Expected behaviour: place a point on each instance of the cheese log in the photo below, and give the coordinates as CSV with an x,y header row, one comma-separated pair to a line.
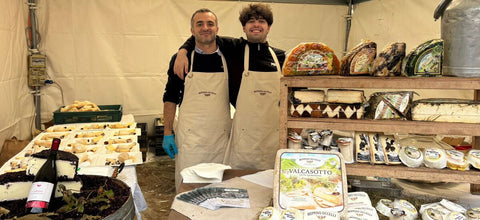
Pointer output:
x,y
311,59
359,60
425,60
446,110
346,96
389,60
307,96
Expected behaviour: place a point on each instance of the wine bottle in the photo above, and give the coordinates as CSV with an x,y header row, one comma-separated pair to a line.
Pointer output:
x,y
44,183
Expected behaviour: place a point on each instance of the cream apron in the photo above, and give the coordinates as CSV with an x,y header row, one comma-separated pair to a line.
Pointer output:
x,y
254,139
203,125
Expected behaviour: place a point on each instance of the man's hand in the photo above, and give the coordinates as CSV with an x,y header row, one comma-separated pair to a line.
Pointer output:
x,y
169,146
180,68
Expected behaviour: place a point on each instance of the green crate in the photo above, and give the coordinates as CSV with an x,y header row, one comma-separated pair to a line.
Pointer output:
x,y
109,113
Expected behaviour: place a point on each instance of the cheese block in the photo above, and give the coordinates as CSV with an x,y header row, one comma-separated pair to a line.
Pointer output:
x,y
67,164
390,105
411,156
325,110
425,60
446,110
456,160
359,60
311,59
389,60
307,96
346,96
16,186
390,149
434,158
376,151
362,147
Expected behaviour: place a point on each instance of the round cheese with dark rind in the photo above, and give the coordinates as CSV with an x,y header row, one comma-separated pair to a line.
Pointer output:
x,y
359,60
425,60
311,59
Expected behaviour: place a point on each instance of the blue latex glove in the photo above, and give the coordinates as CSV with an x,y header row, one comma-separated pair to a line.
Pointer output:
x,y
169,145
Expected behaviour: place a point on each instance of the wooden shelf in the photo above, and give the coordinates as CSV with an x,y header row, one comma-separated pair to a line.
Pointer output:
x,y
451,83
389,126
418,173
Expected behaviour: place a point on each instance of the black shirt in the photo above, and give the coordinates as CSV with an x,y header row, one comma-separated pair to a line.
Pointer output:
x,y
202,63
233,49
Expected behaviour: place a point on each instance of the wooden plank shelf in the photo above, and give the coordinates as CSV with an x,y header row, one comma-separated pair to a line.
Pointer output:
x,y
388,126
418,173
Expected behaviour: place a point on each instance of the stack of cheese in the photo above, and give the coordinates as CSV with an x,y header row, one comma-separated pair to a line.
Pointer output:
x,y
337,103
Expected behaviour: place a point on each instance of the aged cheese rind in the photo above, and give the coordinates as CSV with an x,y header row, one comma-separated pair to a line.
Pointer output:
x,y
389,60
311,59
425,60
359,60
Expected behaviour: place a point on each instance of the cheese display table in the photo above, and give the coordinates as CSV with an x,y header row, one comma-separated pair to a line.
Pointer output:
x,y
99,146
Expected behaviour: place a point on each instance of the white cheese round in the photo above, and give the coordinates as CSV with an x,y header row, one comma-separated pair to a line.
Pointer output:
x,y
454,207
411,156
473,214
473,157
456,160
269,213
455,216
409,208
384,206
435,158
432,214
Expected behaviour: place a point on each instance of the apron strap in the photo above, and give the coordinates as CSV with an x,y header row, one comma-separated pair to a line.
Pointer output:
x,y
247,60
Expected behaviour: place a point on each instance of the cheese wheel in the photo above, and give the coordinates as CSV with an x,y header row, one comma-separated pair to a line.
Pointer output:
x,y
411,156
311,59
356,199
409,208
359,60
291,214
389,60
435,158
269,213
456,160
473,157
425,60
384,206
432,214
473,214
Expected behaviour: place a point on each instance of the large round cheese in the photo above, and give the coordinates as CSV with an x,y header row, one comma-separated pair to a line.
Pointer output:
x,y
311,59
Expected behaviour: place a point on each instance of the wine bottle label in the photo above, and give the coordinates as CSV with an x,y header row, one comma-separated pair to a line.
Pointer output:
x,y
40,191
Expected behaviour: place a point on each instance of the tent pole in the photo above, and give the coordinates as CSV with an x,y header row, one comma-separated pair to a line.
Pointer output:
x,y
33,34
348,17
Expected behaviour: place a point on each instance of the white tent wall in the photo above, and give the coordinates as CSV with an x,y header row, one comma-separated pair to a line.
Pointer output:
x,y
16,112
118,51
